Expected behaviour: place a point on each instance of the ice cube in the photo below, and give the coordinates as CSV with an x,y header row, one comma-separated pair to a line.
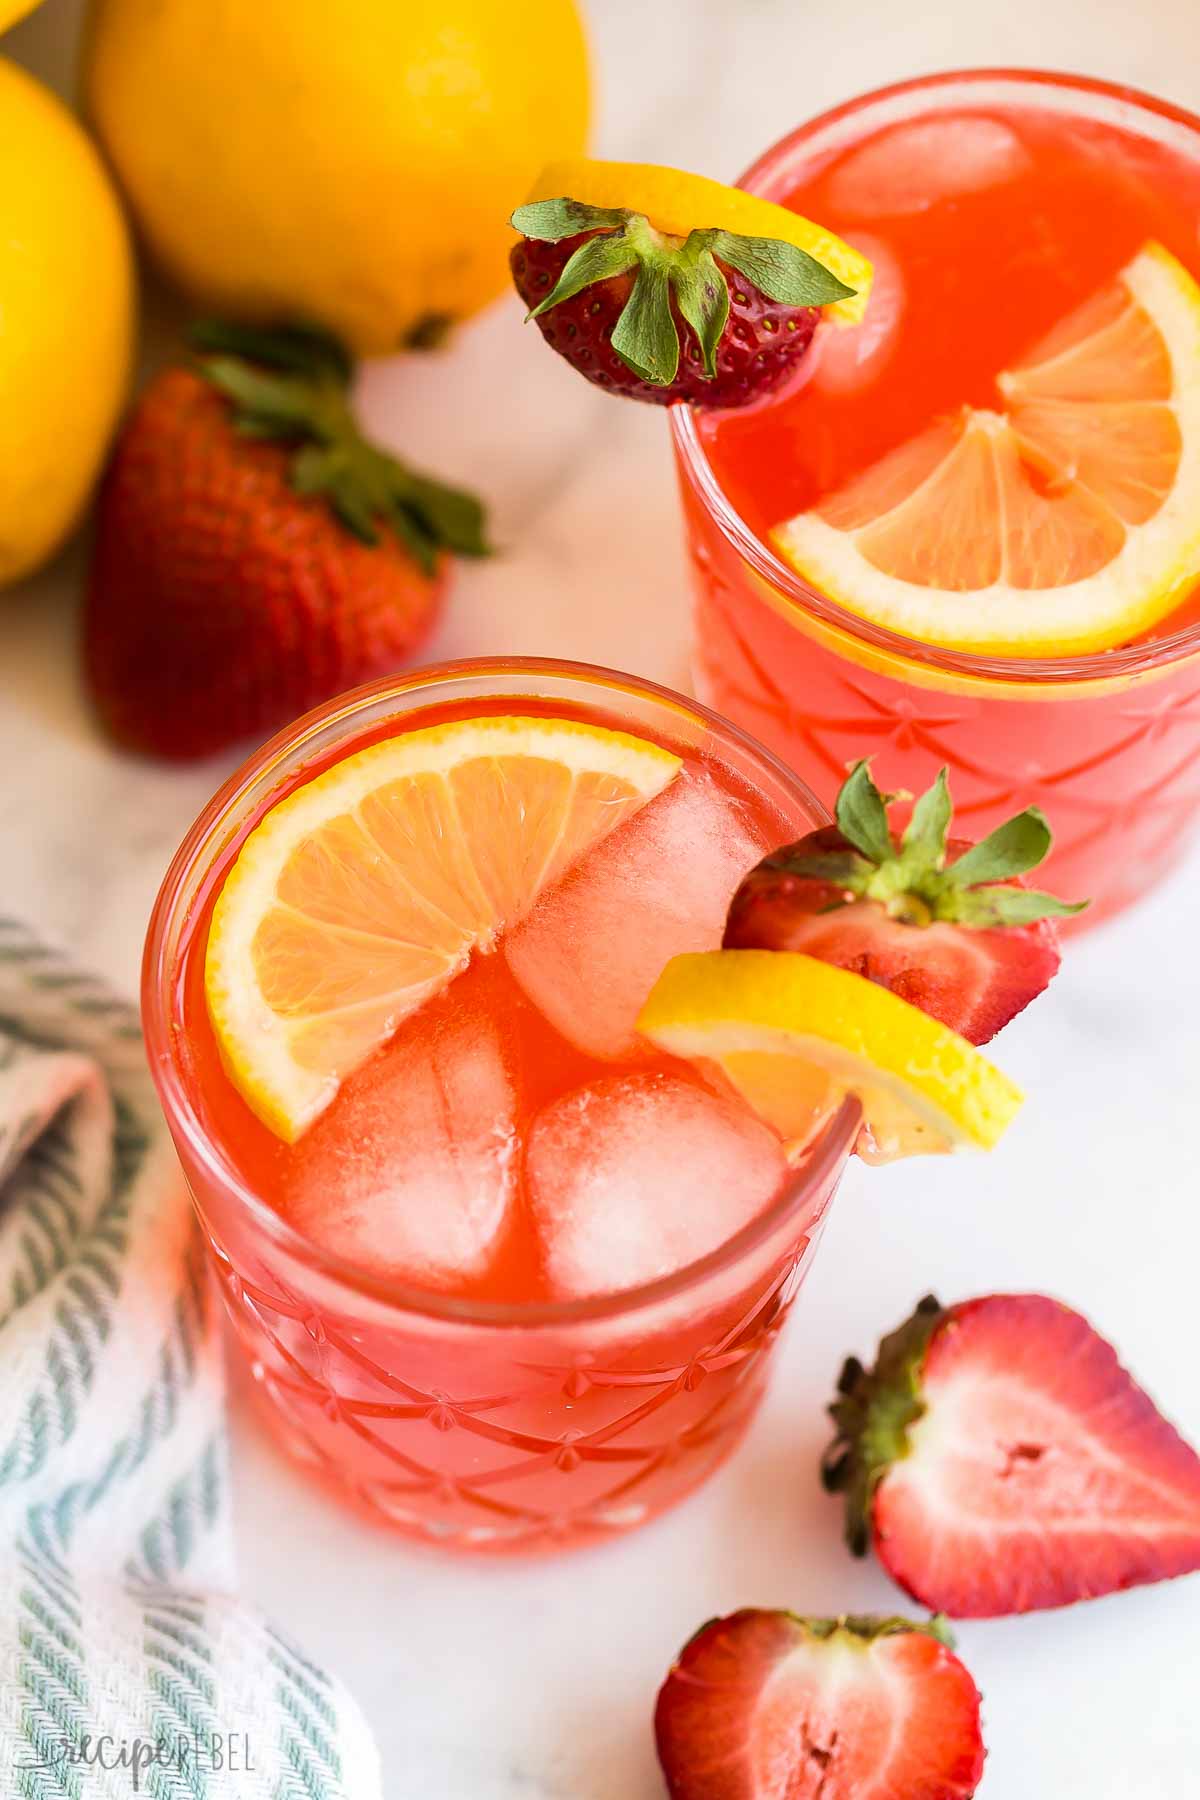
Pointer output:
x,y
635,1176
911,167
593,947
411,1171
850,357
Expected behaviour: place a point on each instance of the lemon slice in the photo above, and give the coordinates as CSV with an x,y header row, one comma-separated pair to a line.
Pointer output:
x,y
364,892
793,1035
1067,520
677,203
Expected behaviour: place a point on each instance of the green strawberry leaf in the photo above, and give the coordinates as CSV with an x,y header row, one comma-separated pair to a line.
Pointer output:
x,y
355,512
872,1413
702,295
453,516
597,260
869,1626
285,402
923,845
982,907
1018,845
292,349
644,336
290,386
862,815
549,221
780,270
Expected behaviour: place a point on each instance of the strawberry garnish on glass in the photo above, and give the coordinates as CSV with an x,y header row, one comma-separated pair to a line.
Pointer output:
x,y
998,1458
763,1705
662,286
946,924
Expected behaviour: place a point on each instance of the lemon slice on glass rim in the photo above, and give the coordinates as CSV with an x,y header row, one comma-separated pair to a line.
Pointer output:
x,y
363,893
676,202
1064,521
793,1035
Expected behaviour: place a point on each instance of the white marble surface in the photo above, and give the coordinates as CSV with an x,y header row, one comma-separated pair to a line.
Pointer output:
x,y
536,1682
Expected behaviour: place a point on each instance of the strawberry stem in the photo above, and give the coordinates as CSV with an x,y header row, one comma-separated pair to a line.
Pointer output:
x,y
686,271
865,1628
913,880
873,1413
291,385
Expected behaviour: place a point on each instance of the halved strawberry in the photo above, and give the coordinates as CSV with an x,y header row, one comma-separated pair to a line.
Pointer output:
x,y
769,1706
1000,1459
942,922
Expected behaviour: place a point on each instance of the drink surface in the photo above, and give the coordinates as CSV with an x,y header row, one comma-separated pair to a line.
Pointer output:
x,y
986,228
515,1141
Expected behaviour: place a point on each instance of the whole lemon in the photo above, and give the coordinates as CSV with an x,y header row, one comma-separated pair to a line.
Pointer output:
x,y
351,164
66,320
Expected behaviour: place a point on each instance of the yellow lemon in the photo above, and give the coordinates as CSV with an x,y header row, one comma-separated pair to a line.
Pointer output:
x,y
66,320
12,10
794,1035
352,164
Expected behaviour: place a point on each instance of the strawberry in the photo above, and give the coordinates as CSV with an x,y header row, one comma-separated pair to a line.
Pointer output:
x,y
1000,1459
714,318
769,1706
253,553
941,922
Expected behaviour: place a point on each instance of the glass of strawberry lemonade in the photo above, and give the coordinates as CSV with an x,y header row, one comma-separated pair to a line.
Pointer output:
x,y
968,533
504,1275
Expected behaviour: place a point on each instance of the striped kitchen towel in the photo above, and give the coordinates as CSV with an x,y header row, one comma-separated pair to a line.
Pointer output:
x,y
127,1665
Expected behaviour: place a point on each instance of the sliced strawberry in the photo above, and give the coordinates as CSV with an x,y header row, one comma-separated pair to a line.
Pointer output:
x,y
944,923
1000,1459
768,1706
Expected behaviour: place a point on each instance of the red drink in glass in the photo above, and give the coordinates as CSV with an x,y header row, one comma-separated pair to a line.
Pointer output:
x,y
555,1389
1029,194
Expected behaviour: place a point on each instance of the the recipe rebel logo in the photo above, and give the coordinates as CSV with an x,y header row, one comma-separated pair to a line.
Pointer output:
x,y
182,1753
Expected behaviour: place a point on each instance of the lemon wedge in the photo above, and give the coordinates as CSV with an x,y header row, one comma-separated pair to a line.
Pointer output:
x,y
793,1035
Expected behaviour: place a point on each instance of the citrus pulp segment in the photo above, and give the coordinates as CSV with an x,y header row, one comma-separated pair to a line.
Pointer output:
x,y
363,892
1063,521
793,1034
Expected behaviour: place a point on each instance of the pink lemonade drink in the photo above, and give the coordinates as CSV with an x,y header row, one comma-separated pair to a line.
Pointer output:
x,y
1011,219
515,1285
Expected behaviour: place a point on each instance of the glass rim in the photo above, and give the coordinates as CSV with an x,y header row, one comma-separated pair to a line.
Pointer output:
x,y
220,819
1095,665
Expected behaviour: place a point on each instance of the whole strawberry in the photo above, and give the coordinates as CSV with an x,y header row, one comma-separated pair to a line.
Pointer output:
x,y
771,1706
254,554
1000,1459
714,318
941,922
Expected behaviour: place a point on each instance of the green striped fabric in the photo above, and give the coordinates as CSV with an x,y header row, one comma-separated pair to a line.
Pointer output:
x,y
127,1664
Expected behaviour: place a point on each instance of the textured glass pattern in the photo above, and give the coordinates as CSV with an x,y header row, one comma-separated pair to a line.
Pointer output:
x,y
494,1440
1116,771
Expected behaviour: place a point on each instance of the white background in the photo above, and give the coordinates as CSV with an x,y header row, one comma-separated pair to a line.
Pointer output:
x,y
536,1682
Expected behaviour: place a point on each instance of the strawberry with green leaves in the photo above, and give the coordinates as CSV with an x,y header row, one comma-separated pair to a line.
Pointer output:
x,y
944,923
998,1458
662,286
254,552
